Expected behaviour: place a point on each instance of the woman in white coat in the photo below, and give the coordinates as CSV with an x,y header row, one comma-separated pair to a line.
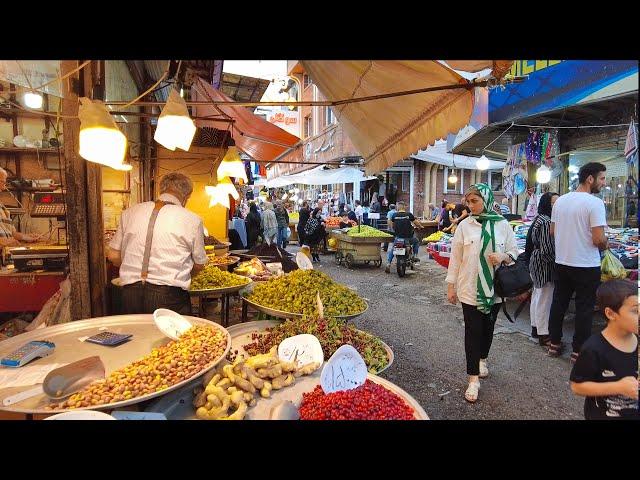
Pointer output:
x,y
482,241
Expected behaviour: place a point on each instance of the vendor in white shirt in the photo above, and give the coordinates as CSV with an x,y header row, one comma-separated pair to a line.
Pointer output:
x,y
157,259
482,241
9,236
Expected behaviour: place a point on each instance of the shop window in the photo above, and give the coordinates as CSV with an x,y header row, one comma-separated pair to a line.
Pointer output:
x,y
620,195
405,181
495,180
329,117
306,80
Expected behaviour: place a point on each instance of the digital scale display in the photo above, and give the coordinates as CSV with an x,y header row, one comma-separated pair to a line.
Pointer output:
x,y
47,204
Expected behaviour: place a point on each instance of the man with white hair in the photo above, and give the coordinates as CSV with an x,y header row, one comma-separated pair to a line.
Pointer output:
x,y
158,246
9,236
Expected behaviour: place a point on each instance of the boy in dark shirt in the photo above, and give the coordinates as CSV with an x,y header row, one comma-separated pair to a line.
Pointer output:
x,y
606,371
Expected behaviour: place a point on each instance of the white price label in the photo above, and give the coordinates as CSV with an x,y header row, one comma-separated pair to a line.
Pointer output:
x,y
302,349
345,370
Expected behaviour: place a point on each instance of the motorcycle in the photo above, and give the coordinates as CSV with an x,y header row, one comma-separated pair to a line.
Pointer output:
x,y
404,254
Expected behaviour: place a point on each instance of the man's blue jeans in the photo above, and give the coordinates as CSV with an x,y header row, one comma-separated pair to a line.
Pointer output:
x,y
415,244
282,236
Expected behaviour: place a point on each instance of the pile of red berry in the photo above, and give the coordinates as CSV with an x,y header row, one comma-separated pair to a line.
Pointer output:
x,y
366,402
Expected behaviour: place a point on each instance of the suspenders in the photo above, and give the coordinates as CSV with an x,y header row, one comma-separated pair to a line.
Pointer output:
x,y
147,247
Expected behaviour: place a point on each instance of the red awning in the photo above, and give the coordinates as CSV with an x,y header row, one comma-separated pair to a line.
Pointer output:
x,y
261,140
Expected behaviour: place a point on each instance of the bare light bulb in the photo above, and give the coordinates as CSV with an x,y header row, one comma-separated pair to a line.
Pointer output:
x,y
453,178
543,174
33,100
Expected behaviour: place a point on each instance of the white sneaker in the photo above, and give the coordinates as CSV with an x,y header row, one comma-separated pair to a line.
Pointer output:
x,y
484,371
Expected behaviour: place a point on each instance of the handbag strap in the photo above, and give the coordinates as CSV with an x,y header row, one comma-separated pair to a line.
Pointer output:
x,y
147,247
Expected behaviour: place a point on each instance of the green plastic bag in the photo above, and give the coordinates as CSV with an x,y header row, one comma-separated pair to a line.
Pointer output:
x,y
611,267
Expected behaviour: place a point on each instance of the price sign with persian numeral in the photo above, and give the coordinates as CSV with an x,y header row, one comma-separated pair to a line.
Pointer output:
x,y
301,349
345,370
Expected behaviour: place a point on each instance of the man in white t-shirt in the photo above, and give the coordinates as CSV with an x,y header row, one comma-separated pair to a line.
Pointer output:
x,y
578,220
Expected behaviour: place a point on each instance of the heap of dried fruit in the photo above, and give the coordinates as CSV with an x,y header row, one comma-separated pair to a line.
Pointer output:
x,y
223,260
195,350
233,387
296,292
332,334
211,277
365,231
369,401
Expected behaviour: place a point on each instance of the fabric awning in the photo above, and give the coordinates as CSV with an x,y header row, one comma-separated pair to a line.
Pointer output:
x,y
438,154
256,137
499,68
388,130
321,176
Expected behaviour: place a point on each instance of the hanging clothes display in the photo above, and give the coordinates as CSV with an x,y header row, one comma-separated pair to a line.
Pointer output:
x,y
631,145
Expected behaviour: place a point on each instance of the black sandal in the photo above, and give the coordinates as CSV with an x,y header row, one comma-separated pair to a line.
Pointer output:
x,y
544,340
555,350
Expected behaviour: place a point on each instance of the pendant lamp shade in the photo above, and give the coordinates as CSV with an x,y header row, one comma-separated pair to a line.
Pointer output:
x,y
543,174
232,166
482,163
228,188
175,128
101,141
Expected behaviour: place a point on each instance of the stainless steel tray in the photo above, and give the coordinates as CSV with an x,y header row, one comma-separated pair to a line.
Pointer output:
x,y
146,336
221,291
241,335
281,314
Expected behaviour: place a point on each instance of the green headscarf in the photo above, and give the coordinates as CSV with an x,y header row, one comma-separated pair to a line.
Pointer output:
x,y
487,219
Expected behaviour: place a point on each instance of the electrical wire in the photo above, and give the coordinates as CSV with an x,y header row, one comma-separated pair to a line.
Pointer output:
x,y
162,77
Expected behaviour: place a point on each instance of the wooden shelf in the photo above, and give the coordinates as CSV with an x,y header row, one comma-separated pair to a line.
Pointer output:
x,y
28,150
16,112
32,189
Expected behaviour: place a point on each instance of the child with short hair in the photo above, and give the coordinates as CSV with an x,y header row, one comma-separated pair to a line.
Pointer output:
x,y
606,371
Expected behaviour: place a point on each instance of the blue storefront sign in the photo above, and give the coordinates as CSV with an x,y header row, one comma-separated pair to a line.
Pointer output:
x,y
553,84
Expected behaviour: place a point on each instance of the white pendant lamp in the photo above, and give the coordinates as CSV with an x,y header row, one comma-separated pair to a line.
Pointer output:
x,y
175,128
231,165
453,178
32,100
543,174
482,163
217,196
101,141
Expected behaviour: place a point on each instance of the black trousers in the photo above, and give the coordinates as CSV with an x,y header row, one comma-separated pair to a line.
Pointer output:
x,y
145,298
585,282
478,334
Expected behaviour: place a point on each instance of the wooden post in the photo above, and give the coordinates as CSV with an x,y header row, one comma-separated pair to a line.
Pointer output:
x,y
95,223
76,198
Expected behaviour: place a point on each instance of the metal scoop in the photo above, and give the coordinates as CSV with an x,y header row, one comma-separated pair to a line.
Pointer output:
x,y
64,381
67,380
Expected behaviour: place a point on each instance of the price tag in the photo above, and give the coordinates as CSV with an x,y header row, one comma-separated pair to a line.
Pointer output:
x,y
301,349
345,370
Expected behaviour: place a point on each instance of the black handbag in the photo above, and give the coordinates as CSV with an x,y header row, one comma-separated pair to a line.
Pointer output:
x,y
511,281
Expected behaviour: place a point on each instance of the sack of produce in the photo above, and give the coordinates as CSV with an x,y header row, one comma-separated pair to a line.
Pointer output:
x,y
611,267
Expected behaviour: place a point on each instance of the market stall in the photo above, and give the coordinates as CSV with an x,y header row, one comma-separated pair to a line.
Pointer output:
x,y
360,244
130,365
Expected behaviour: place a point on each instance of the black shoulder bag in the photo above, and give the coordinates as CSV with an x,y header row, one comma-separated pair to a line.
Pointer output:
x,y
511,281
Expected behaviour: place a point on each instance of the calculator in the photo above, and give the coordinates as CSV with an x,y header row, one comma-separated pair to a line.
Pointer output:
x,y
109,339
28,352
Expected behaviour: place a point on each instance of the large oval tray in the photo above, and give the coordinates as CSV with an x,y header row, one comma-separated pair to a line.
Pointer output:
x,y
281,314
220,291
240,335
146,336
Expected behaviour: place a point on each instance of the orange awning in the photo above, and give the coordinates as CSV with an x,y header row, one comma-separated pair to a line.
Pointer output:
x,y
261,140
387,130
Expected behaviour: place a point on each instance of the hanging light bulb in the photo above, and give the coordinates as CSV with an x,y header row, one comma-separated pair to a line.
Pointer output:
x,y
453,178
296,191
543,174
32,100
300,201
100,139
482,163
231,165
175,127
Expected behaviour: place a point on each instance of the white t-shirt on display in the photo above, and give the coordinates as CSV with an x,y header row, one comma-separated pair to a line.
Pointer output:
x,y
574,215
